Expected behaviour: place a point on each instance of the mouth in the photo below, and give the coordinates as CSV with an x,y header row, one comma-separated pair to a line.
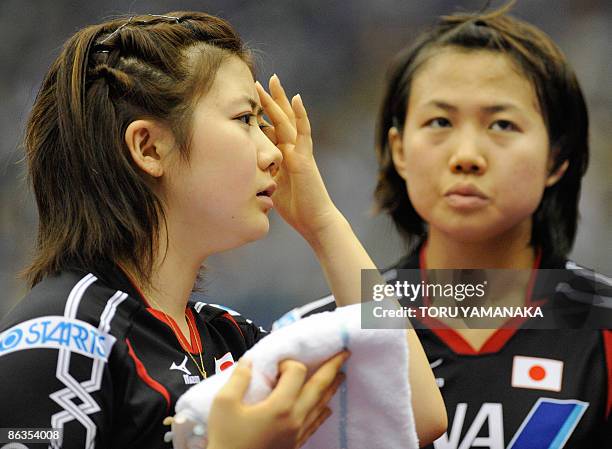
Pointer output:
x,y
268,191
466,197
265,196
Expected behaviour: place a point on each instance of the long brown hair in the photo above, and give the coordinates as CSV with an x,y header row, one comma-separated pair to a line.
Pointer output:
x,y
95,207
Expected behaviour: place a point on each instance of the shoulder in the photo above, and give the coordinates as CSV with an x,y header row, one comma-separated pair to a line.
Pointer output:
x,y
328,303
74,311
225,318
584,285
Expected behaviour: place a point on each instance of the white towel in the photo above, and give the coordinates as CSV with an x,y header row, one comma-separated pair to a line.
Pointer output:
x,y
371,409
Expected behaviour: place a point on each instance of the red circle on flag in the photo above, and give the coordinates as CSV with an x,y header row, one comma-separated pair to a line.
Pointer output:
x,y
225,365
536,372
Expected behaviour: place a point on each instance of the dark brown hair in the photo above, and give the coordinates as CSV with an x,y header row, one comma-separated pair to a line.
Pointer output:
x,y
561,104
95,207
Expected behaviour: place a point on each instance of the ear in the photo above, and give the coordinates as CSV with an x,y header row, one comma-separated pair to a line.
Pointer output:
x,y
149,143
555,176
397,151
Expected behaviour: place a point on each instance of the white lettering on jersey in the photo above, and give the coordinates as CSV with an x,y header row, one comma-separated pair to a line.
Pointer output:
x,y
191,380
491,413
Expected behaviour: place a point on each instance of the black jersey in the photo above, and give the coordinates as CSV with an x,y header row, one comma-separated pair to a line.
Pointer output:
x,y
87,354
525,388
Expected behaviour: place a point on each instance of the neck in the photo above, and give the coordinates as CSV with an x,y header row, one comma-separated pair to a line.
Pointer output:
x,y
511,250
174,274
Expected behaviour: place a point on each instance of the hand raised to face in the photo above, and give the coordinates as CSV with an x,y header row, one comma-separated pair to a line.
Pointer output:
x,y
301,199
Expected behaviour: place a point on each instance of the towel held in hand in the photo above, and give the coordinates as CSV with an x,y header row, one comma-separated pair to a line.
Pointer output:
x,y
371,409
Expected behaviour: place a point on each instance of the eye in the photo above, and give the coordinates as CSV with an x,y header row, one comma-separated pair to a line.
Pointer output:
x,y
247,119
263,123
438,122
504,125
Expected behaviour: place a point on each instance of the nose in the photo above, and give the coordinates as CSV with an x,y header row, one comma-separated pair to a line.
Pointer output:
x,y
269,157
468,157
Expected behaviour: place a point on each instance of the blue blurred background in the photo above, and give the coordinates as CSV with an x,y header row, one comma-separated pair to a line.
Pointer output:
x,y
335,54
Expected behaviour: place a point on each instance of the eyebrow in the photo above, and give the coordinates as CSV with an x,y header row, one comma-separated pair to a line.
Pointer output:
x,y
255,106
501,107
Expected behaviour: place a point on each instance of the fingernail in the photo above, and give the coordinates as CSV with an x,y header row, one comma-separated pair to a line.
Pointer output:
x,y
257,83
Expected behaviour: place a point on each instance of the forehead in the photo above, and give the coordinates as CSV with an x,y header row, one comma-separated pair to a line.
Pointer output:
x,y
471,77
233,81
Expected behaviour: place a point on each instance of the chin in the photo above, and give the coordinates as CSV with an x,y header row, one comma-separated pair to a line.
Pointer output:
x,y
480,232
258,232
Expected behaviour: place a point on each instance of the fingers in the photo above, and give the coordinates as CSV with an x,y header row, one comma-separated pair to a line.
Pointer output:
x,y
168,420
292,377
320,406
304,139
238,383
310,428
279,95
322,385
283,127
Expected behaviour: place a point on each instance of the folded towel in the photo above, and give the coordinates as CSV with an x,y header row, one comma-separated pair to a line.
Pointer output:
x,y
372,408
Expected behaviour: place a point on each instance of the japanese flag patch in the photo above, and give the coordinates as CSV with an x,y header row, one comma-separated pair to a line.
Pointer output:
x,y
537,373
224,362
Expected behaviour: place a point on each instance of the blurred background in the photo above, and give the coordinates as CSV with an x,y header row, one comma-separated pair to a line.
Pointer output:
x,y
335,54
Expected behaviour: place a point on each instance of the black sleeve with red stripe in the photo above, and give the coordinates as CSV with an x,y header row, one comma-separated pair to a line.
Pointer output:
x,y
249,330
236,329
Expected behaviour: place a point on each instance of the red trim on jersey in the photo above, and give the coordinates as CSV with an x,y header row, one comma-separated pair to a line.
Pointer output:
x,y
231,318
496,341
194,337
607,340
194,344
144,375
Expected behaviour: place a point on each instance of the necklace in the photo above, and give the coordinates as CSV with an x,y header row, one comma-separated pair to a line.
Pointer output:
x,y
200,367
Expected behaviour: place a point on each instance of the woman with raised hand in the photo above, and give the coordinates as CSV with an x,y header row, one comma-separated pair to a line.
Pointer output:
x,y
147,152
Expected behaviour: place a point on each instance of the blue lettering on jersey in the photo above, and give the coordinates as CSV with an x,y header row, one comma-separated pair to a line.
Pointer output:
x,y
57,332
549,424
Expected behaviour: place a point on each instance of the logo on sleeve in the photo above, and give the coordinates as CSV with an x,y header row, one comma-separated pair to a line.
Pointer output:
x,y
537,373
57,332
224,362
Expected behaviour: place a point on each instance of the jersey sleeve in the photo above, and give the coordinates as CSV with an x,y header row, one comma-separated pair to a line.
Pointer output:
x,y
55,387
249,332
57,350
252,332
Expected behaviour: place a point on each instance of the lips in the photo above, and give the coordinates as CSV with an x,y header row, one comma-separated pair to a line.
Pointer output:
x,y
466,197
268,191
265,195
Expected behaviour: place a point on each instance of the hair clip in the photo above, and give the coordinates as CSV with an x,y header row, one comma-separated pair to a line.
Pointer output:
x,y
156,16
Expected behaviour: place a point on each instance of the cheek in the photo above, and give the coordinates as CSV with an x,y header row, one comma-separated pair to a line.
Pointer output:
x,y
423,169
523,186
